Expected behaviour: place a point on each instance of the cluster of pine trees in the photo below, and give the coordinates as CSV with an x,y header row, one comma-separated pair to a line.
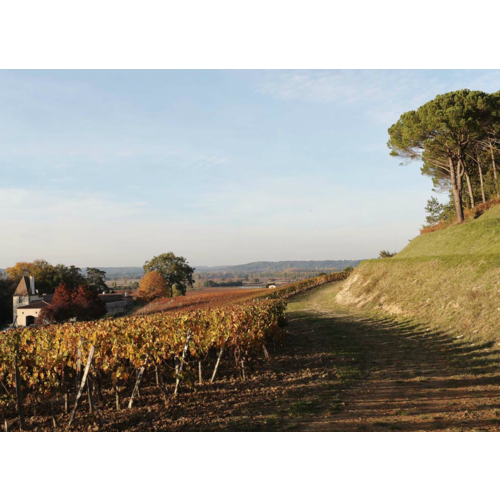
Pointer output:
x,y
457,138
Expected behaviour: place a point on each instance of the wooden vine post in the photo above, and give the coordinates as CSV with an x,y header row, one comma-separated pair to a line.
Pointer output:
x,y
78,363
266,354
82,385
137,383
117,396
221,352
89,395
179,371
243,375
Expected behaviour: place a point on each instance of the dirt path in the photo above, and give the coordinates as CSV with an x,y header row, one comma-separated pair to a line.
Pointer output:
x,y
404,377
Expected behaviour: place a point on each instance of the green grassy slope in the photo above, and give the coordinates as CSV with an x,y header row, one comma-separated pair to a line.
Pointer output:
x,y
480,236
449,278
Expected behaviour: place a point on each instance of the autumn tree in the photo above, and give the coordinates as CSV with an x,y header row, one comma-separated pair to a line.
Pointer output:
x,y
83,304
61,307
40,269
152,286
47,277
175,271
87,304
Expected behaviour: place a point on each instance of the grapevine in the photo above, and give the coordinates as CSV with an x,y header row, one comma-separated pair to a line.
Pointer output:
x,y
48,357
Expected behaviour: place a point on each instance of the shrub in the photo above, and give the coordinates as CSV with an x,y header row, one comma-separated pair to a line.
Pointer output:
x,y
469,214
384,254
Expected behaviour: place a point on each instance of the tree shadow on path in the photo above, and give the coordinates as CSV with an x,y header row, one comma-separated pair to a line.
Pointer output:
x,y
413,378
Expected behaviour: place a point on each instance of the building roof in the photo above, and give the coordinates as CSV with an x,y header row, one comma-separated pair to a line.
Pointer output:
x,y
111,297
107,298
23,289
39,304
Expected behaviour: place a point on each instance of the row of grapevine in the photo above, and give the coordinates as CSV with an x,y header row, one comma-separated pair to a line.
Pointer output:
x,y
45,366
302,286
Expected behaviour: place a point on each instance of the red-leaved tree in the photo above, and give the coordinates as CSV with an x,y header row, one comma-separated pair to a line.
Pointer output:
x,y
83,304
61,308
87,304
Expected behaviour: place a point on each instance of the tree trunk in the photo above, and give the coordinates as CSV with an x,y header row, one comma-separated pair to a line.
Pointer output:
x,y
479,167
492,152
456,185
469,187
493,164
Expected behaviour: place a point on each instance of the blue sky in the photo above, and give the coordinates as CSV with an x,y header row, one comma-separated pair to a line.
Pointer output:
x,y
223,167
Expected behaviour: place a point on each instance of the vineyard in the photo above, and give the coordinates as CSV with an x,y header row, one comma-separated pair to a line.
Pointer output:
x,y
202,299
47,370
205,299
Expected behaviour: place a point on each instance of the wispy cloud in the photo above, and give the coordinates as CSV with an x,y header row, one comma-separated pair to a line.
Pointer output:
x,y
29,207
383,94
73,161
75,120
325,86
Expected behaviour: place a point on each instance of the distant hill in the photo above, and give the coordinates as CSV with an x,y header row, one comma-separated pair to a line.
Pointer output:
x,y
117,273
285,265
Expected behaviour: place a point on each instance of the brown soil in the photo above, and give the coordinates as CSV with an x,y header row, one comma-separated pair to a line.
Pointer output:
x,y
336,372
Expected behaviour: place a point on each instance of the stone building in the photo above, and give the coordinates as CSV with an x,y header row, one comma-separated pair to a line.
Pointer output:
x,y
116,303
28,303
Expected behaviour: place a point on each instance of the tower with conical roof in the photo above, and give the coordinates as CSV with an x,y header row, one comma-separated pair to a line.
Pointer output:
x,y
25,294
